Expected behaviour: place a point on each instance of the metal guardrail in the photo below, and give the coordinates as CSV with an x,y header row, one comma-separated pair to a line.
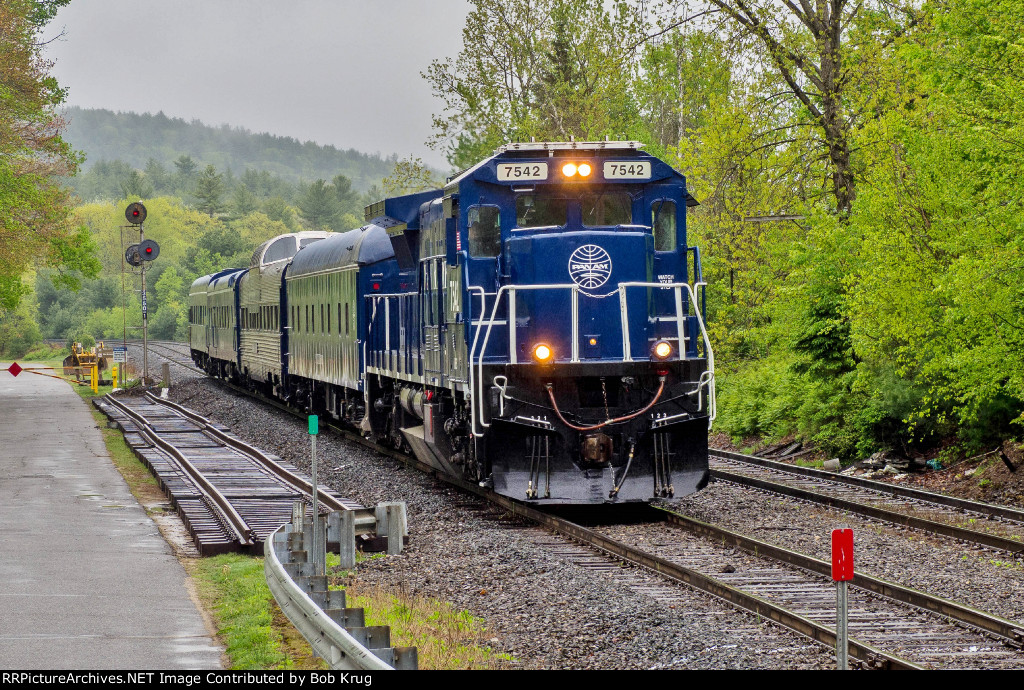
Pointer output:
x,y
336,633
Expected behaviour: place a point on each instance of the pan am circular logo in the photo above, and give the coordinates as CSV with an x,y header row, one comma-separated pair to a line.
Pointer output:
x,y
590,266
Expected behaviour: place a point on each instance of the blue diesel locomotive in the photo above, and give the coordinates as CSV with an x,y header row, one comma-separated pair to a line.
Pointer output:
x,y
536,326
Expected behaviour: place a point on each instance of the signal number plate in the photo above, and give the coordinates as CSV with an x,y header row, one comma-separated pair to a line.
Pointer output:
x,y
522,171
627,170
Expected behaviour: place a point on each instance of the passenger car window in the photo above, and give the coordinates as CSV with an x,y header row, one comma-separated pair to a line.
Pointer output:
x,y
609,208
663,223
484,231
284,248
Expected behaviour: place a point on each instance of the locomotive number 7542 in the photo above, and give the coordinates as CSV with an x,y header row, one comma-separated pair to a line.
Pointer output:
x,y
522,171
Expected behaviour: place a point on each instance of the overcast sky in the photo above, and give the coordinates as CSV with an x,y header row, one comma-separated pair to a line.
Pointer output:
x,y
338,72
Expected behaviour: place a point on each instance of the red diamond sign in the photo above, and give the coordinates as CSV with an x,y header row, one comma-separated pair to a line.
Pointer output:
x,y
14,369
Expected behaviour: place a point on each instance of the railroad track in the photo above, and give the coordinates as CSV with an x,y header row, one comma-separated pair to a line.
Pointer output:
x,y
230,495
891,626
992,526
174,352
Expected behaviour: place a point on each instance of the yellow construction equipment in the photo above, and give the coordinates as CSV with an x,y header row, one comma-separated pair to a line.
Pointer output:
x,y
81,361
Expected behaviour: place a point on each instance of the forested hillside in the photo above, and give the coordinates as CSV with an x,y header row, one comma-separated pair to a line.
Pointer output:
x,y
142,140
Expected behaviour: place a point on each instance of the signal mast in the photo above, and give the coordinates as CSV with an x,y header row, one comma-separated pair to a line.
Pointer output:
x,y
138,255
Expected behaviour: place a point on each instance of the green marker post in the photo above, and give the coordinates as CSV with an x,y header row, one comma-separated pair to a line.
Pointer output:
x,y
319,548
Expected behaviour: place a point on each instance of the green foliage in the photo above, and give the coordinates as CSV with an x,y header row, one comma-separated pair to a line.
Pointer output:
x,y
319,205
18,333
192,244
409,176
35,222
549,69
209,190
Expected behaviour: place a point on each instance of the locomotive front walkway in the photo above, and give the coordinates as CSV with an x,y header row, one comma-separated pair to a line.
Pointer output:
x,y
86,580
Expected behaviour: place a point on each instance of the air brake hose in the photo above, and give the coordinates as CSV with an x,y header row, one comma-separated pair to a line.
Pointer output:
x,y
615,492
551,395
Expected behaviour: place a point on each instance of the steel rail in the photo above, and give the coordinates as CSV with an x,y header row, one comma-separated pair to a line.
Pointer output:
x,y
1010,632
962,533
673,571
365,518
1005,512
172,361
864,653
214,498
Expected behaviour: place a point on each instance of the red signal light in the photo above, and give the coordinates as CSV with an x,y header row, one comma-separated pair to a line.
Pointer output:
x,y
135,213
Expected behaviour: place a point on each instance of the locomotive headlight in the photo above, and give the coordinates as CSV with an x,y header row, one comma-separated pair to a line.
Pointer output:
x,y
662,349
569,169
584,169
542,353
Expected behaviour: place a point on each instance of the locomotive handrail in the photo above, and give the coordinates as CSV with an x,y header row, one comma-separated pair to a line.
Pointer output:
x,y
472,349
707,379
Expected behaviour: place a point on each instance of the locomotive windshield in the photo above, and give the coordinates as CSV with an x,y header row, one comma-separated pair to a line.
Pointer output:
x,y
597,209
535,211
663,221
607,208
484,231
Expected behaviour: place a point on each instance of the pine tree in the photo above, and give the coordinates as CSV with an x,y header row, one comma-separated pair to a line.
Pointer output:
x,y
319,205
209,190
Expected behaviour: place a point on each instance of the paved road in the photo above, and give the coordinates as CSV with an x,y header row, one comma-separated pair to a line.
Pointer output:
x,y
86,580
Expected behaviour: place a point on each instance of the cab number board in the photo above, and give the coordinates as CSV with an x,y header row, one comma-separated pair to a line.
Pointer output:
x,y
627,170
522,171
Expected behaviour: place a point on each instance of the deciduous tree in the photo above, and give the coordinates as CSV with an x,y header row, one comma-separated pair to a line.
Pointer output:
x,y
35,222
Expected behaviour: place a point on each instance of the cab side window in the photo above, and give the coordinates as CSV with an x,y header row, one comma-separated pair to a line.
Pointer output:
x,y
663,223
484,231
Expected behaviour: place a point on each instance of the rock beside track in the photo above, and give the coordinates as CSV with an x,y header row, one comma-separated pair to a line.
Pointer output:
x,y
538,607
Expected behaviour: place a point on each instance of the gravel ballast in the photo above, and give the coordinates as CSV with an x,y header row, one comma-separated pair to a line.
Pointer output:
x,y
541,609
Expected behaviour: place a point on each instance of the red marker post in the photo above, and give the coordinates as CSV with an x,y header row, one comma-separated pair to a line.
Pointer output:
x,y
842,572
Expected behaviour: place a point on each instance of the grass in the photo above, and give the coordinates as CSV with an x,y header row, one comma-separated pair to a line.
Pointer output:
x,y
254,631
445,638
46,353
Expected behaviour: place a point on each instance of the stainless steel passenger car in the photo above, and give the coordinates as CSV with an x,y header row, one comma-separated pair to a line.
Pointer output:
x,y
215,333
260,296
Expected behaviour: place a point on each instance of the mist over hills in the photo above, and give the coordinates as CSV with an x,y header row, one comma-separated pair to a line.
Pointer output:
x,y
103,135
